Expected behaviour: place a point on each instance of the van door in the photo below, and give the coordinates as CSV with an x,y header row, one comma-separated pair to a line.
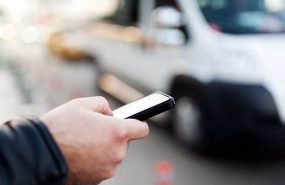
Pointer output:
x,y
153,59
128,49
113,38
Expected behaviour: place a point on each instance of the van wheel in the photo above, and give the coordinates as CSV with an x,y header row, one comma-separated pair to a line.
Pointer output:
x,y
189,121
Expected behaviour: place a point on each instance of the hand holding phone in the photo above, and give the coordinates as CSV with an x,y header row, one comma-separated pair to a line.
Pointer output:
x,y
146,107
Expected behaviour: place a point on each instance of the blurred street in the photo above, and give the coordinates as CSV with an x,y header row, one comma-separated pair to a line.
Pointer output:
x,y
10,96
189,168
222,61
12,100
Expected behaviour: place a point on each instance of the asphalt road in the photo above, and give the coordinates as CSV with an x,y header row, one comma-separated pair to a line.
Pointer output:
x,y
191,168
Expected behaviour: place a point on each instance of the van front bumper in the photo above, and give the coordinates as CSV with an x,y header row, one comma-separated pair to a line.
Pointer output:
x,y
244,116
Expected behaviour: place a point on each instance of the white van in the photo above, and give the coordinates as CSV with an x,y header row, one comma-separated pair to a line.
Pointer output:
x,y
222,60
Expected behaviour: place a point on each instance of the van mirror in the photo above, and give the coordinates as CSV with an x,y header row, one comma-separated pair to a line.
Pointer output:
x,y
167,17
166,23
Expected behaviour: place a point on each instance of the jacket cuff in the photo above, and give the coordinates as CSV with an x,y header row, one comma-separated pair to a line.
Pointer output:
x,y
52,147
30,154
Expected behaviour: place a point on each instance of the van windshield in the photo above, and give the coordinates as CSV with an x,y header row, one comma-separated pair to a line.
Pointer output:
x,y
245,16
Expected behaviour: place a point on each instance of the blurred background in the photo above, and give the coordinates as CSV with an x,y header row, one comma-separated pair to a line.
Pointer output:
x,y
222,61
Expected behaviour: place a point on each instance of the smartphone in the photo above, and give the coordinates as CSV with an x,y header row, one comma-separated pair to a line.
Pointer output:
x,y
146,107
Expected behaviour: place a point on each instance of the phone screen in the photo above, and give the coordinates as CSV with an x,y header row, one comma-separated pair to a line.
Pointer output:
x,y
140,105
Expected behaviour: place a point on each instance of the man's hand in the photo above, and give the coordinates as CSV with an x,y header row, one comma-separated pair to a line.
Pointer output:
x,y
91,140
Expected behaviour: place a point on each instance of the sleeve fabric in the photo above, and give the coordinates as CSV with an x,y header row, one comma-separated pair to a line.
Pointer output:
x,y
29,155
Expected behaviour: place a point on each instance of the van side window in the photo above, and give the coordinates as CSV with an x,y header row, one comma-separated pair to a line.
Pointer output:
x,y
126,13
173,3
159,3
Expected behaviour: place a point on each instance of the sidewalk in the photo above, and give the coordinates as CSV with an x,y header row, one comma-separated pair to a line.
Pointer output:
x,y
10,97
11,100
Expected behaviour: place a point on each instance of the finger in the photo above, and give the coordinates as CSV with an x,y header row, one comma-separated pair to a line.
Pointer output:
x,y
98,104
136,129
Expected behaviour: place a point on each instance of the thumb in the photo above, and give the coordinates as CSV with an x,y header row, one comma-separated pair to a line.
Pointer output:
x,y
136,129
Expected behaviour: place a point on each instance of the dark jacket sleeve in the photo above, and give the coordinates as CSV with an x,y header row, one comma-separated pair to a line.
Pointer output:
x,y
29,155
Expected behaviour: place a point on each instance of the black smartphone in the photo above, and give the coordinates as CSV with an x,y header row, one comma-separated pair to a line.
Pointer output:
x,y
146,107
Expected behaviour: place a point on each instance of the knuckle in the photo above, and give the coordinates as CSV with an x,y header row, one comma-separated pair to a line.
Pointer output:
x,y
77,100
73,101
102,99
120,133
109,174
119,157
